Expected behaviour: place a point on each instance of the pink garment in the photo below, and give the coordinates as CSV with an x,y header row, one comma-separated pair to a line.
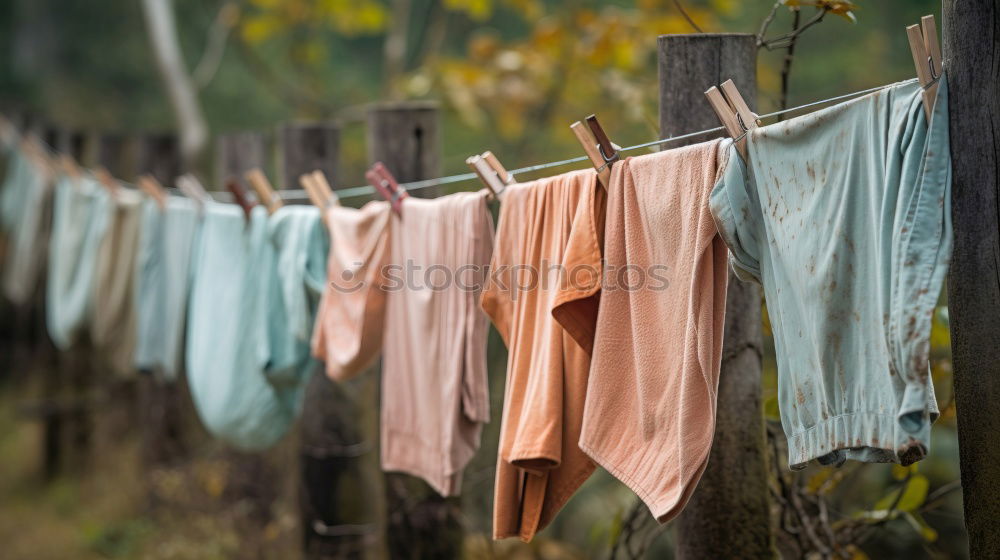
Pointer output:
x,y
649,416
435,395
348,330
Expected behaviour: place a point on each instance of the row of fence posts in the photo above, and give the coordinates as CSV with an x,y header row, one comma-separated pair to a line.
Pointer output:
x,y
348,508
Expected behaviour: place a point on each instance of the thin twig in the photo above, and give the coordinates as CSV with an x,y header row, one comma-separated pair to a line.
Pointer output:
x,y
786,65
215,47
767,23
783,41
684,13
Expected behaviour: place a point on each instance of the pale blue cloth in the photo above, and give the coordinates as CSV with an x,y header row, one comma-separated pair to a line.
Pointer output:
x,y
80,217
843,215
163,283
25,205
255,290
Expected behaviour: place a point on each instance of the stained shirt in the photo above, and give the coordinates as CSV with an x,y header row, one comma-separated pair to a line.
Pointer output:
x,y
843,216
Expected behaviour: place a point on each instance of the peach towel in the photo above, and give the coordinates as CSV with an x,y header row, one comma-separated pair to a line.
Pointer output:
x,y
435,396
650,410
348,329
543,224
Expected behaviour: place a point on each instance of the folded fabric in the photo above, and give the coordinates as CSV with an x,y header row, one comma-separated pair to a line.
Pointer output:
x,y
650,412
163,283
348,332
546,227
113,322
79,221
844,216
247,355
435,395
301,246
27,205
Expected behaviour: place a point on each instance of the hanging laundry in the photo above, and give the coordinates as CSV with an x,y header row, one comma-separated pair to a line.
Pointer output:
x,y
650,411
113,322
545,228
435,393
163,282
79,220
252,299
844,216
26,203
348,332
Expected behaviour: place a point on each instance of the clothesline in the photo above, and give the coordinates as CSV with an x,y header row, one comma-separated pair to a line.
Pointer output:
x,y
427,183
366,190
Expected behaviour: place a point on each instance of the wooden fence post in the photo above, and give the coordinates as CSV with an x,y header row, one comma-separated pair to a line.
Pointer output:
x,y
406,137
334,491
74,364
238,152
728,515
971,47
419,523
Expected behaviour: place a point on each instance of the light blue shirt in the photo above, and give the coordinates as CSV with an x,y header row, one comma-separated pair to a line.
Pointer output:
x,y
24,201
843,216
255,289
80,217
163,270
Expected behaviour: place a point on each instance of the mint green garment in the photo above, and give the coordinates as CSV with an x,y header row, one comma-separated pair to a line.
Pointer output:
x,y
843,216
26,191
80,215
13,193
255,289
163,280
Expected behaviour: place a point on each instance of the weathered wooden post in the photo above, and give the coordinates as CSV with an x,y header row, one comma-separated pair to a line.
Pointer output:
x,y
728,515
420,524
334,497
53,434
161,400
971,55
74,364
238,152
406,137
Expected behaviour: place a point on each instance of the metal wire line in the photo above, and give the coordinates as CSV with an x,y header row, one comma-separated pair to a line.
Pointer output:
x,y
427,183
366,190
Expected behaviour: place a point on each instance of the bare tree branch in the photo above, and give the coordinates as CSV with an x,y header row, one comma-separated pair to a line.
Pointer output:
x,y
684,13
162,28
215,46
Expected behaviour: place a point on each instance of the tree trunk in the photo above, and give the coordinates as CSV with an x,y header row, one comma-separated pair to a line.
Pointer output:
x,y
972,56
728,515
162,29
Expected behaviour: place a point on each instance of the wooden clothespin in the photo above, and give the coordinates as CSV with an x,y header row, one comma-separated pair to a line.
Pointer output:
x,y
598,147
104,177
265,192
491,172
926,57
70,167
383,181
240,195
734,113
149,185
192,188
314,192
486,174
324,188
